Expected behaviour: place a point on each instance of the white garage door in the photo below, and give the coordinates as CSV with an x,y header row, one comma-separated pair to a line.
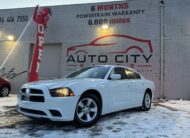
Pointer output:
x,y
50,67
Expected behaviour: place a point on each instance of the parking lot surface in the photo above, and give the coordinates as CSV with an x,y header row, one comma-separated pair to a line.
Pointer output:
x,y
158,122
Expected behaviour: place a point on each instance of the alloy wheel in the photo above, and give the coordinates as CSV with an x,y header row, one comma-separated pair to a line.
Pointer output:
x,y
5,91
147,100
87,109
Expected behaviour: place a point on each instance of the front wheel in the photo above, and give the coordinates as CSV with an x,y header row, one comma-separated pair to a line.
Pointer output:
x,y
88,110
4,91
146,105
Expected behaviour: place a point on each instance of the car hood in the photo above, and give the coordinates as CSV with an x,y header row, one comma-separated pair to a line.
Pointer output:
x,y
66,82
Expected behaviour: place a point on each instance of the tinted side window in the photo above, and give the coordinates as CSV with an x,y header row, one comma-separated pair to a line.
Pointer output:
x,y
121,71
131,74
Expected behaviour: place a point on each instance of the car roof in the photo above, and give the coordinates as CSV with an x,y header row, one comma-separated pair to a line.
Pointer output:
x,y
112,66
116,66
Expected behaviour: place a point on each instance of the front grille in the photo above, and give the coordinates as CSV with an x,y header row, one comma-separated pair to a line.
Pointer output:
x,y
36,98
33,95
36,91
38,112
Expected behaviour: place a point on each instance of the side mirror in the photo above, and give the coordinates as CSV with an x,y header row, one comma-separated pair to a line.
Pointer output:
x,y
115,76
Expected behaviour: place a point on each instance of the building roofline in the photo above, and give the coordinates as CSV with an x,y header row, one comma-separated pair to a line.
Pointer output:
x,y
111,1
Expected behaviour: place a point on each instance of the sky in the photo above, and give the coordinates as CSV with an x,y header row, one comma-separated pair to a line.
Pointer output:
x,y
8,4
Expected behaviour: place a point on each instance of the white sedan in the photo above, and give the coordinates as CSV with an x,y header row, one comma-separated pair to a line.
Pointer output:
x,y
85,95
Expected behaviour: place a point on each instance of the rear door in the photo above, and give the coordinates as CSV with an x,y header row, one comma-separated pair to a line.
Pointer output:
x,y
136,87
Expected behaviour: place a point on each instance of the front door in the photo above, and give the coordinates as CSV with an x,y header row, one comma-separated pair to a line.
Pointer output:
x,y
119,90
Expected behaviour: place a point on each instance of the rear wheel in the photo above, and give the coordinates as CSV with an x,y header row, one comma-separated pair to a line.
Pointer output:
x,y
146,105
88,110
4,91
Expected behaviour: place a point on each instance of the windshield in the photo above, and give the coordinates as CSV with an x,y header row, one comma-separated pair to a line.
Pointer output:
x,y
90,72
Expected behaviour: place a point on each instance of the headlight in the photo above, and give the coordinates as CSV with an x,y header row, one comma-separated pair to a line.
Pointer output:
x,y
61,92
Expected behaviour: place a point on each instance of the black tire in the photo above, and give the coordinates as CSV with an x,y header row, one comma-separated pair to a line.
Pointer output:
x,y
81,112
4,91
147,100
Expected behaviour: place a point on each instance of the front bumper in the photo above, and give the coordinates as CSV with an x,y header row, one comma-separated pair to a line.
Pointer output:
x,y
53,108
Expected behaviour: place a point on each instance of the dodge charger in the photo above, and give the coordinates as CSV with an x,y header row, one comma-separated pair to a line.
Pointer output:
x,y
85,95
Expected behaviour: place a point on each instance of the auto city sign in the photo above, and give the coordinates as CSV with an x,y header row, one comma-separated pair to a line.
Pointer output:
x,y
111,49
